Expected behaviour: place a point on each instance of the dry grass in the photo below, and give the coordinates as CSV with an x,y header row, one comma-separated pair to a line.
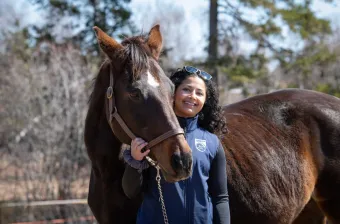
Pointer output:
x,y
15,187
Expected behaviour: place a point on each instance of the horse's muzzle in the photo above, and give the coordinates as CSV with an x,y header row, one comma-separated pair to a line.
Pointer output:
x,y
182,164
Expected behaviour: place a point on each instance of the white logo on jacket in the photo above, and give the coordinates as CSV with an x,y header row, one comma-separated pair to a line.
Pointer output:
x,y
201,145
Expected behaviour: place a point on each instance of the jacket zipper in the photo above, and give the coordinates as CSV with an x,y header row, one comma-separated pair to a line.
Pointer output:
x,y
186,205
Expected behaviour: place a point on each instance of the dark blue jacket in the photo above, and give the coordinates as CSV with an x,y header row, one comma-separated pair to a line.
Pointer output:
x,y
201,198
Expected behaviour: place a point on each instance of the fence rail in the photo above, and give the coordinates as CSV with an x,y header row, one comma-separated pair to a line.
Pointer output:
x,y
74,211
41,203
84,218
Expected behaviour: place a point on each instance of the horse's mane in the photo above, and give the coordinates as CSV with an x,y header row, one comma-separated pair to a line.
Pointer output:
x,y
135,52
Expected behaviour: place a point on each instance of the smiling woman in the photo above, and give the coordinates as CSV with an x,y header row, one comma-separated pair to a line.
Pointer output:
x,y
190,97
203,197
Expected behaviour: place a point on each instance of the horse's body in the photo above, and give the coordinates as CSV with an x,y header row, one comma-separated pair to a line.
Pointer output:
x,y
283,150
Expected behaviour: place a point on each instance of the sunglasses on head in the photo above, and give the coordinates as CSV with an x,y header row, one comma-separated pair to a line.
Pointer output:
x,y
192,70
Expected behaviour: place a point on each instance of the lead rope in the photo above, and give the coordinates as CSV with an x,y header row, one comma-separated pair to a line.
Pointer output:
x,y
158,179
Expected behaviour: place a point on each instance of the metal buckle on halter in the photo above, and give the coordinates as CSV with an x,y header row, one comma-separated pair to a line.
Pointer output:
x,y
109,92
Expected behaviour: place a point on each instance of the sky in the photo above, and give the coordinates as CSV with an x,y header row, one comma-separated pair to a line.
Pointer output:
x,y
196,12
195,18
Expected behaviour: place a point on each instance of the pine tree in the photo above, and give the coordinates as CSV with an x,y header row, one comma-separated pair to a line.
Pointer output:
x,y
266,24
77,17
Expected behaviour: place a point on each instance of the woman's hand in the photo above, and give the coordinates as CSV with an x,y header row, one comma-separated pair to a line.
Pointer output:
x,y
137,145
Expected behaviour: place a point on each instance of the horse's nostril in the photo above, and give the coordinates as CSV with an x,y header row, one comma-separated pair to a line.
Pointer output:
x,y
176,162
181,163
187,161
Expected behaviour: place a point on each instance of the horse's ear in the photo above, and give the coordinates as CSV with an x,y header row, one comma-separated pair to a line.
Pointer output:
x,y
107,43
155,41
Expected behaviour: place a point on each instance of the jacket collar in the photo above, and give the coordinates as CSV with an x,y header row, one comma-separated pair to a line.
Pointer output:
x,y
188,124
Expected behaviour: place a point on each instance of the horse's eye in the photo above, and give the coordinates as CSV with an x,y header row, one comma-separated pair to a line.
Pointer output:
x,y
135,94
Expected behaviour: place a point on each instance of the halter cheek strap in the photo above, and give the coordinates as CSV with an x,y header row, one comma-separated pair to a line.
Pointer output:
x,y
113,113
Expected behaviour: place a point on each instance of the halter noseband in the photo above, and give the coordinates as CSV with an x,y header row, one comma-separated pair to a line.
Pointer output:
x,y
114,114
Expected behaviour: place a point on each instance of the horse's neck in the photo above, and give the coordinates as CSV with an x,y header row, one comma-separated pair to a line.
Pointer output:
x,y
99,137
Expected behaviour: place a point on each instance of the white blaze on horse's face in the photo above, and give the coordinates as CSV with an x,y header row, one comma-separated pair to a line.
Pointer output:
x,y
152,81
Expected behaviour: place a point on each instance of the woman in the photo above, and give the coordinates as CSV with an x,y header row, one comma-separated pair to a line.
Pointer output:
x,y
203,197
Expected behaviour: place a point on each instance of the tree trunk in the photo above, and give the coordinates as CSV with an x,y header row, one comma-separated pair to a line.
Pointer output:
x,y
213,40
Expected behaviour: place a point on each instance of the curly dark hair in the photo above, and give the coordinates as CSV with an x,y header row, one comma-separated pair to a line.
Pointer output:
x,y
211,116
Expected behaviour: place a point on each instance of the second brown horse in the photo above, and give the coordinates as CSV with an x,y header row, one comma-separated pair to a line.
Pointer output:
x,y
283,150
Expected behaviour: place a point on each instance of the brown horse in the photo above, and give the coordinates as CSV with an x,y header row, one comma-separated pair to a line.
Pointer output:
x,y
132,97
282,148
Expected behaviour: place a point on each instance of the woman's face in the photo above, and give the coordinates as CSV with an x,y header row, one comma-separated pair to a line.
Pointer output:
x,y
190,97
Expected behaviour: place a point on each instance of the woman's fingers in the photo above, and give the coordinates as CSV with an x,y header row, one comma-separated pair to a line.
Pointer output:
x,y
137,142
145,153
136,149
141,146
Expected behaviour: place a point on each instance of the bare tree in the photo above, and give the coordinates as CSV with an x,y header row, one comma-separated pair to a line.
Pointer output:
x,y
43,104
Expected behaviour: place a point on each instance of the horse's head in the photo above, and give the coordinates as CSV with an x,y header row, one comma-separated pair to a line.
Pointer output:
x,y
141,94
